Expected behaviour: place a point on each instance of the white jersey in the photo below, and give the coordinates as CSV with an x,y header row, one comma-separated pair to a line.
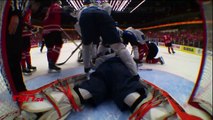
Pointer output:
x,y
119,31
138,34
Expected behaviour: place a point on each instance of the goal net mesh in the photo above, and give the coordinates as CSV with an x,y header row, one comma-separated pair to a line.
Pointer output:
x,y
203,93
8,108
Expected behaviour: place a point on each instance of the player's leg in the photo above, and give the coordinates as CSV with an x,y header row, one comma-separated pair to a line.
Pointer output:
x,y
24,56
143,101
89,33
152,60
28,56
50,57
58,42
111,37
172,49
89,92
123,53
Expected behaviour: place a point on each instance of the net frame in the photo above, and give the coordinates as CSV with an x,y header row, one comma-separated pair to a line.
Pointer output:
x,y
201,96
9,108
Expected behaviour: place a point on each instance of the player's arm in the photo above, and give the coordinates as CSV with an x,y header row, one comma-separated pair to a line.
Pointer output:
x,y
16,12
146,50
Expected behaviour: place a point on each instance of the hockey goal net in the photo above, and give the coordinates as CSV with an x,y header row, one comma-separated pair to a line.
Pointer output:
x,y
8,108
202,93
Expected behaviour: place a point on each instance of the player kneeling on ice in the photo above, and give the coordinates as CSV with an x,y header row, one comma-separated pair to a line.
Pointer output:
x,y
111,80
141,47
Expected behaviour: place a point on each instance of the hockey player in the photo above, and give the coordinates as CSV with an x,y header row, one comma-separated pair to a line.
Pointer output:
x,y
141,47
135,37
95,23
27,67
52,34
151,53
114,81
14,44
168,43
111,80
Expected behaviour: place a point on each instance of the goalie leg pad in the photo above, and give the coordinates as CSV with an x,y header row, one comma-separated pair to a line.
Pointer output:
x,y
52,114
45,105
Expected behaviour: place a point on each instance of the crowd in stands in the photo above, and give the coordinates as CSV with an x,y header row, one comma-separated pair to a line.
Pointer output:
x,y
188,37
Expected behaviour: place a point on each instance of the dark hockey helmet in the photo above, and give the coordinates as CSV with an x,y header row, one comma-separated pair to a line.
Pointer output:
x,y
89,1
94,1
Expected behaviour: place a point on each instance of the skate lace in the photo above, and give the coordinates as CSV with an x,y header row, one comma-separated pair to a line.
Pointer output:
x,y
144,108
53,102
68,92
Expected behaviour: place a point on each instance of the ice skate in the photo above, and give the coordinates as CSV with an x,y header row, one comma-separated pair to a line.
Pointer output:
x,y
26,71
32,68
161,60
54,68
80,58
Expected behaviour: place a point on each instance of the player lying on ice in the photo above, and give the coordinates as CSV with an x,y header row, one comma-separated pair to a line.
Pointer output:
x,y
111,79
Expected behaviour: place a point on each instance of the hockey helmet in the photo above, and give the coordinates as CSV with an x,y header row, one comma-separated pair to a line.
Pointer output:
x,y
89,1
139,35
107,7
142,39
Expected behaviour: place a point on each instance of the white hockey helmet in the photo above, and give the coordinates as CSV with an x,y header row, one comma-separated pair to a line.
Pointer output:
x,y
142,38
130,28
107,7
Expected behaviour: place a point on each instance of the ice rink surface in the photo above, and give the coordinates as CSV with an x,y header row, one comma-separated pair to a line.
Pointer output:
x,y
177,76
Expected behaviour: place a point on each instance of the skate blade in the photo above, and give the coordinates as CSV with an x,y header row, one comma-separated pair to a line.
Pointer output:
x,y
54,71
33,70
27,74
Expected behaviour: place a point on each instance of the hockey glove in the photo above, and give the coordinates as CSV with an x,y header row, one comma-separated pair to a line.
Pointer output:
x,y
86,70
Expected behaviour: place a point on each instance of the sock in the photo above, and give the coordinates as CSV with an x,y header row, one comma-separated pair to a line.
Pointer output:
x,y
76,88
135,104
130,99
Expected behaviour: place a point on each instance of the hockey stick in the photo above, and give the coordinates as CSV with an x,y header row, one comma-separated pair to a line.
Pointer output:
x,y
70,55
65,33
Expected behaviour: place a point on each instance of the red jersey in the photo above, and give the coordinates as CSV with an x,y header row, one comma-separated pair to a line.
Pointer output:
x,y
167,39
143,50
27,24
52,21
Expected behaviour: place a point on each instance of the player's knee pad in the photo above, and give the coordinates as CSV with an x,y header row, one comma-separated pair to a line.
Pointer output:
x,y
86,55
117,47
125,56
